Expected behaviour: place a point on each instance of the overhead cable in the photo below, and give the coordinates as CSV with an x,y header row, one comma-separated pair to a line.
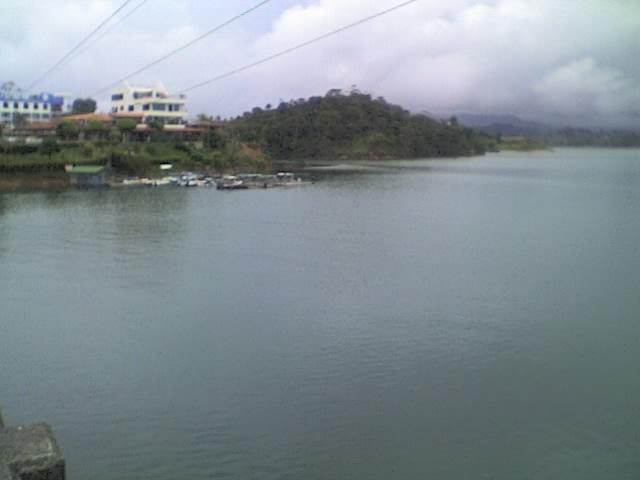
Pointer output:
x,y
298,47
77,46
108,30
183,47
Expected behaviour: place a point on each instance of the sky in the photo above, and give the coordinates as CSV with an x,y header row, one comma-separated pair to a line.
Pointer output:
x,y
573,62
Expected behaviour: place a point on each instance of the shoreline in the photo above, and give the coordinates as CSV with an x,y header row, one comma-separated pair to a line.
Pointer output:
x,y
33,182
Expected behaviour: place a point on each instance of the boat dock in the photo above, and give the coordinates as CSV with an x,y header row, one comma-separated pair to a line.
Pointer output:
x,y
226,182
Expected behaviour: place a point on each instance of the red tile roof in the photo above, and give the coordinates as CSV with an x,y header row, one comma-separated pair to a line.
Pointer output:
x,y
88,117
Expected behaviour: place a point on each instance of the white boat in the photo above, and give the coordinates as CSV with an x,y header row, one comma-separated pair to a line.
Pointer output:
x,y
231,182
288,179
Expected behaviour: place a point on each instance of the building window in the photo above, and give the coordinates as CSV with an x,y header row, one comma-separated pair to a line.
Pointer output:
x,y
114,109
46,116
159,107
137,95
131,108
25,105
36,116
145,107
36,106
117,96
5,104
121,108
45,106
5,114
15,105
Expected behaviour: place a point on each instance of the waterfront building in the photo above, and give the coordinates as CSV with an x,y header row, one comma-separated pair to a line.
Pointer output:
x,y
153,104
86,175
16,109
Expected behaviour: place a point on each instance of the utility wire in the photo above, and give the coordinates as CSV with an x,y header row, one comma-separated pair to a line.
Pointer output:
x,y
108,31
183,47
75,49
298,47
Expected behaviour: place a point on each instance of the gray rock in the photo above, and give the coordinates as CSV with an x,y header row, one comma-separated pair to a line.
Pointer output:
x,y
30,453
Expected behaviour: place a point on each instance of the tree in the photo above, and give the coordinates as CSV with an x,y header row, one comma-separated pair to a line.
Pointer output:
x,y
84,105
67,130
114,136
49,146
157,134
215,138
126,126
8,88
95,126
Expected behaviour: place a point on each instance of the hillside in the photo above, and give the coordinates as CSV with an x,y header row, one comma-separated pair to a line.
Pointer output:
x,y
353,125
544,134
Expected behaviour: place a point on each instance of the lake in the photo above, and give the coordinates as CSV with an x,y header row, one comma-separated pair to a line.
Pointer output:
x,y
444,319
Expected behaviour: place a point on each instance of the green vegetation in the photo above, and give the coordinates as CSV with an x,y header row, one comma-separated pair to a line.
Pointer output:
x,y
128,154
581,137
520,144
355,126
49,146
67,130
335,126
84,105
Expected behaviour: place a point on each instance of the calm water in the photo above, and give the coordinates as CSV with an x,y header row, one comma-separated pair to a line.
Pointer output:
x,y
470,319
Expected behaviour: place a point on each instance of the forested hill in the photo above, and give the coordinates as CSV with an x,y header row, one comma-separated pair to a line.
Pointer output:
x,y
353,125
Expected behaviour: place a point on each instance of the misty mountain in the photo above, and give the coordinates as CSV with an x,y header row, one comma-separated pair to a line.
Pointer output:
x,y
508,125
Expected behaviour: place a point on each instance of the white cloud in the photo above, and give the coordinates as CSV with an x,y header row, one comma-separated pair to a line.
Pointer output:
x,y
582,86
536,58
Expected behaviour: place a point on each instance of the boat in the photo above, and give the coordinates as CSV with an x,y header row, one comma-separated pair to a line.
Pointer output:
x,y
188,179
161,182
288,179
231,182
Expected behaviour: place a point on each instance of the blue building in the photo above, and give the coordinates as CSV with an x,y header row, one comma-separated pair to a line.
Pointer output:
x,y
32,108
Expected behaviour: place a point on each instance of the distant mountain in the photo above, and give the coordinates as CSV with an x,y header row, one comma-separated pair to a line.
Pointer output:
x,y
508,125
512,126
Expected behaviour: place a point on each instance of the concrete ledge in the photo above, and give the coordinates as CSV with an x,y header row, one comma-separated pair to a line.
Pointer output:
x,y
30,453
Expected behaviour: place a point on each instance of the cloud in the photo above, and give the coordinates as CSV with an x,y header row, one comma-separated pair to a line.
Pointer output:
x,y
492,56
541,59
584,87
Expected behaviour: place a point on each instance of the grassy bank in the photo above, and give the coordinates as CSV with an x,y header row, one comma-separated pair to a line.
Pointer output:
x,y
521,144
141,159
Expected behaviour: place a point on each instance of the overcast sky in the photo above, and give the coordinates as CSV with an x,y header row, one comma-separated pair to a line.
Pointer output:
x,y
566,61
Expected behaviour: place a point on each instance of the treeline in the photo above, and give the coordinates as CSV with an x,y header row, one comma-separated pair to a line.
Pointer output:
x,y
353,125
581,137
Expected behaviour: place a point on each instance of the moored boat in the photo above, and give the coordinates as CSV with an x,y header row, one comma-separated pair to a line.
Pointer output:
x,y
231,182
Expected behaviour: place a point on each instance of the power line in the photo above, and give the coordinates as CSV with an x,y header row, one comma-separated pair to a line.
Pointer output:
x,y
109,30
82,42
183,47
299,46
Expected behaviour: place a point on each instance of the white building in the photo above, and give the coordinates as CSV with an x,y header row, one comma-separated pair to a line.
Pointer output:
x,y
153,103
15,108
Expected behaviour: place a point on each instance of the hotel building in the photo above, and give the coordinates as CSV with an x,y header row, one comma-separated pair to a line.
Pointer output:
x,y
154,104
